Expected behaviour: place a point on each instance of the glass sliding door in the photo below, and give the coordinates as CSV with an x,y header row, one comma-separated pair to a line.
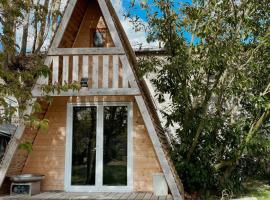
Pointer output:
x,y
115,145
99,148
84,146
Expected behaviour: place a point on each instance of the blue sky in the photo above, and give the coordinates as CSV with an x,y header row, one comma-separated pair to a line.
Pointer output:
x,y
138,38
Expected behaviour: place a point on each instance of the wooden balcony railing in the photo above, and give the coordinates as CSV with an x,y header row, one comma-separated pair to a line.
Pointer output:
x,y
100,73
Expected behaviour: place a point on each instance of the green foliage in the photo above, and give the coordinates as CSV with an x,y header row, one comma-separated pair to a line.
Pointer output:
x,y
219,85
27,146
20,70
57,88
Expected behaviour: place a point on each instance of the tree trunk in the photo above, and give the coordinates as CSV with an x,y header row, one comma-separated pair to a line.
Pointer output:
x,y
9,39
205,105
35,27
25,29
56,10
41,34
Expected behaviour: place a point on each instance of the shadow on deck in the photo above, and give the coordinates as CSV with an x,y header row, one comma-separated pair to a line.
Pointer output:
x,y
89,196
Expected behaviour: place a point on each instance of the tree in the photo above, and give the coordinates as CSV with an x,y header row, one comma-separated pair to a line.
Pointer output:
x,y
218,77
22,62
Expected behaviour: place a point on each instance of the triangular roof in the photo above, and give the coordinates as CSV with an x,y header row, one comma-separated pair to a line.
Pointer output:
x,y
130,68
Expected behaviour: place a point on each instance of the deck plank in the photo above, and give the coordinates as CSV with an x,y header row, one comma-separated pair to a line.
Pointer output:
x,y
148,196
125,196
89,196
104,195
110,196
140,195
133,196
48,195
95,195
100,195
58,195
162,197
154,197
118,196
169,197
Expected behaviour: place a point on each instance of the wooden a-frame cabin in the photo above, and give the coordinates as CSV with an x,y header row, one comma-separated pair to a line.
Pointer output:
x,y
107,136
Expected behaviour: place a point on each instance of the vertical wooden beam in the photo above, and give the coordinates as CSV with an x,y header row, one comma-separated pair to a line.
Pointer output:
x,y
65,69
45,80
110,71
115,71
55,69
90,71
128,72
124,76
95,72
75,71
105,71
85,69
100,71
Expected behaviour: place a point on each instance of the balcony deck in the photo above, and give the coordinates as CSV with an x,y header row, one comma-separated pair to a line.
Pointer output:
x,y
89,196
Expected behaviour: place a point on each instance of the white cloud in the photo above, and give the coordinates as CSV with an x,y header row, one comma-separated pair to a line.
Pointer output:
x,y
136,38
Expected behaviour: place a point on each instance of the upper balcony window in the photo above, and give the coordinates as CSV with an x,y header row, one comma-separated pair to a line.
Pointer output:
x,y
99,37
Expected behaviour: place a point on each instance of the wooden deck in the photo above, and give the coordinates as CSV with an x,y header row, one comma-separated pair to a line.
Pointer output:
x,y
89,196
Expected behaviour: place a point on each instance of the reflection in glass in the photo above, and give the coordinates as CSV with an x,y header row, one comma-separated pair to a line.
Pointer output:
x,y
99,40
83,146
115,146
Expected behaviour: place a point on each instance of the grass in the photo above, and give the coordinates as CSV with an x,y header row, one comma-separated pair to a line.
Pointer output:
x,y
258,189
252,188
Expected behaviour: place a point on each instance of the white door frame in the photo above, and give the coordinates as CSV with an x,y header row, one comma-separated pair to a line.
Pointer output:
x,y
98,187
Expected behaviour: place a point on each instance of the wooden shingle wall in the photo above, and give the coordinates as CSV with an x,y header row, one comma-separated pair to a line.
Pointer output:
x,y
145,160
48,156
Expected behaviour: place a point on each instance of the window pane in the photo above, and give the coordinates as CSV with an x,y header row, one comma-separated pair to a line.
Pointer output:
x,y
115,146
84,146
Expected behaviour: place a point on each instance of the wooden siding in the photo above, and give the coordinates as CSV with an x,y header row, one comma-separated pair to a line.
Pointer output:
x,y
48,156
20,156
145,160
29,135
86,16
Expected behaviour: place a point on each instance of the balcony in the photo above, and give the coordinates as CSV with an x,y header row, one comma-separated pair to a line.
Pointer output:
x,y
98,73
